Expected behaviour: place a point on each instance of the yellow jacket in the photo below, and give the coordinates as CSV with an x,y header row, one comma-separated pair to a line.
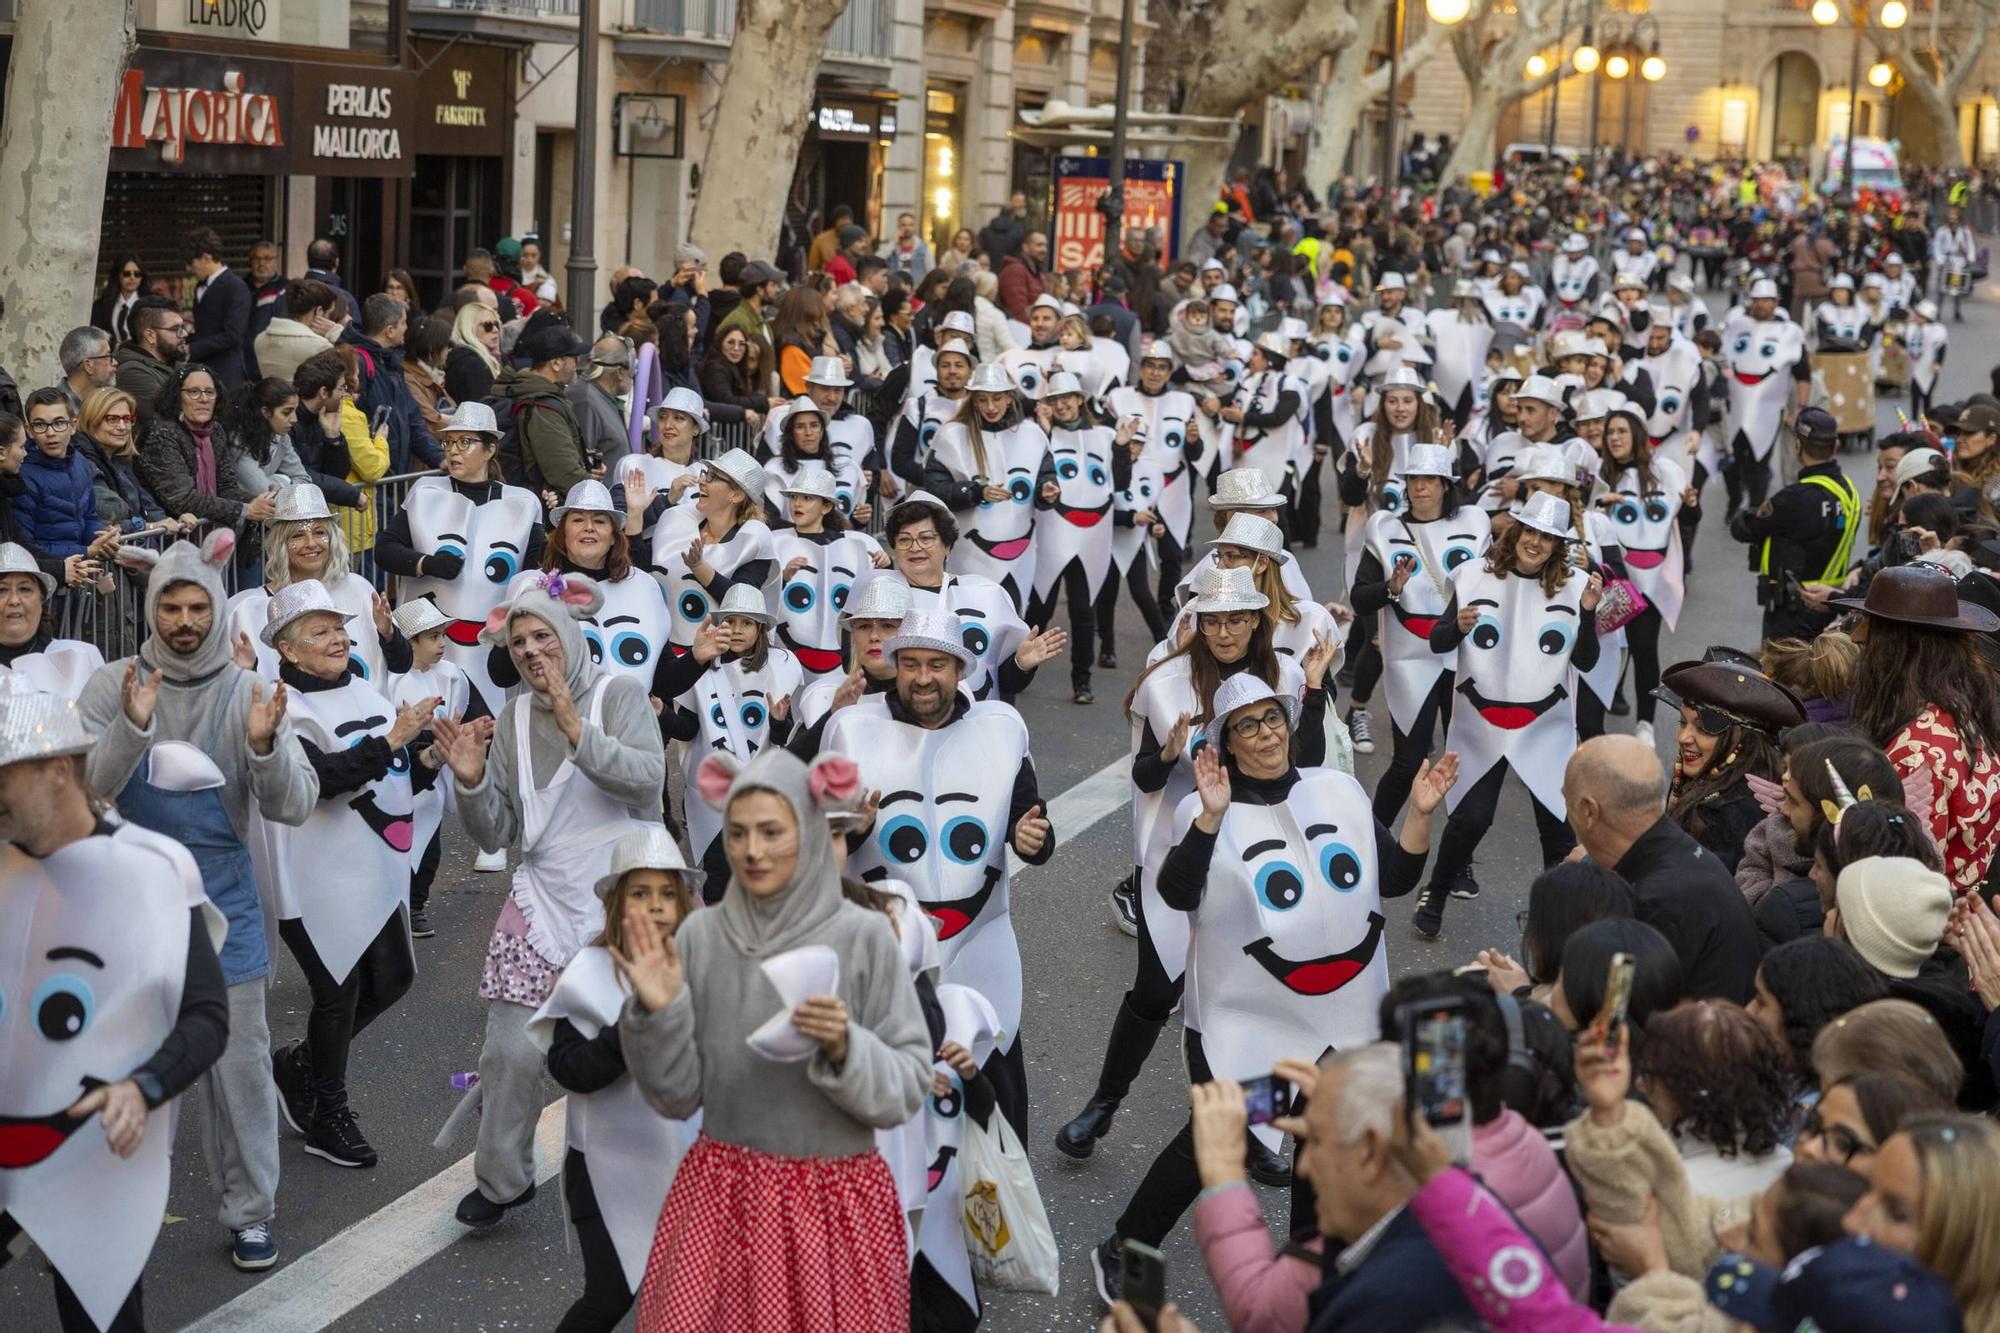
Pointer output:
x,y
368,460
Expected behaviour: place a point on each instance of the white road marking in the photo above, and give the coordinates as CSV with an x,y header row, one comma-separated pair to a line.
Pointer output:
x,y
317,1289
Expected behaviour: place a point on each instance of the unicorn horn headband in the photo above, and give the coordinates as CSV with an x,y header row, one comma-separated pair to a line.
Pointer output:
x,y
1845,798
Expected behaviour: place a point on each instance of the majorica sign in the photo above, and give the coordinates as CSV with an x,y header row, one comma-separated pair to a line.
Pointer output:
x,y
173,118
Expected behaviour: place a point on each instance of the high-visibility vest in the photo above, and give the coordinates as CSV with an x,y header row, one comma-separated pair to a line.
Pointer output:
x,y
1849,501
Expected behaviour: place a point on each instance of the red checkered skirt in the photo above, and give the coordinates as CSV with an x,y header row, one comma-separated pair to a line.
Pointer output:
x,y
755,1241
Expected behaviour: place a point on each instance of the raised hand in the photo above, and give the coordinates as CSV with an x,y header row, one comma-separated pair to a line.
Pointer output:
x,y
1031,832
244,653
264,716
1177,738
708,644
411,719
1503,974
384,626
561,702
1211,780
463,746
794,565
1468,616
139,695
1593,591
1318,658
650,961
1039,647
1399,577
1433,781
849,691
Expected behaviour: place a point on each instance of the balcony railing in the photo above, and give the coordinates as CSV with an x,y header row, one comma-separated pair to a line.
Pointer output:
x,y
861,31
512,9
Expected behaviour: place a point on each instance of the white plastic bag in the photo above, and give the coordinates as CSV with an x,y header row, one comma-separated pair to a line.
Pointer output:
x,y
1007,1232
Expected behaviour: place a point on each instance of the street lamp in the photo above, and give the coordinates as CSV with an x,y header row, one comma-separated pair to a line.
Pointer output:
x,y
1825,13
1585,57
1448,13
1893,14
1879,75
1617,67
1538,65
1628,45
1652,69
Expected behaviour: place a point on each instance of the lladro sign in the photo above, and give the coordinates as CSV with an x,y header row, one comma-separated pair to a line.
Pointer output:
x,y
237,16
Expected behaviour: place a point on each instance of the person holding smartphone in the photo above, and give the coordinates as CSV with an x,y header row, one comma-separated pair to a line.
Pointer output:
x,y
1275,863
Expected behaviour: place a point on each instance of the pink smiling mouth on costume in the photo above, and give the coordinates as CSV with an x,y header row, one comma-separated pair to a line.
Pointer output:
x,y
1639,558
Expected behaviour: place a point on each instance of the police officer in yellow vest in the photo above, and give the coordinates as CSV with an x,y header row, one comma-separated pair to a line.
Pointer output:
x,y
1802,537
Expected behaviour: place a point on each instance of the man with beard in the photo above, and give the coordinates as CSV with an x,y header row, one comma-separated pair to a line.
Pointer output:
x,y
948,777
159,343
190,744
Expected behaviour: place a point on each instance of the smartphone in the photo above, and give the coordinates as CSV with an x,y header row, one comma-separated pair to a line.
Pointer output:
x,y
1610,1021
380,419
1142,1281
1434,1059
1266,1098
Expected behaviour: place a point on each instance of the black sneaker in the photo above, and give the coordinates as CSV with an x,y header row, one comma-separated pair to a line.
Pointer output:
x,y
1104,1271
479,1212
1125,905
292,1072
1083,695
1107,659
1619,706
1429,916
420,924
1465,886
336,1136
1264,1166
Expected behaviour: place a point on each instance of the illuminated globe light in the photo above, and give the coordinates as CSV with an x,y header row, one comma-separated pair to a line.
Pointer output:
x,y
1652,69
1538,65
1894,14
1585,58
1617,67
1825,13
1880,73
1448,12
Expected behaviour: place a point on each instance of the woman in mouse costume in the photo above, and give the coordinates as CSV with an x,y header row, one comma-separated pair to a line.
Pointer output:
x,y
30,657
1229,635
1405,576
303,541
783,1216
1283,870
983,465
622,1153
575,763
115,1006
346,930
1519,621
461,538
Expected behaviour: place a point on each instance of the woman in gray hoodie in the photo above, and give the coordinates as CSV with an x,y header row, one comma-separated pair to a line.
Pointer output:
x,y
782,1211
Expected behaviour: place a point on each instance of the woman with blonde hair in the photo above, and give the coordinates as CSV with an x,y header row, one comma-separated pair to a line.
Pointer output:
x,y
1931,1197
988,322
107,436
474,359
1819,670
1895,1036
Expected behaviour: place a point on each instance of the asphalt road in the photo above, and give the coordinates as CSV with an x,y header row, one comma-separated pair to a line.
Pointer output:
x,y
406,1265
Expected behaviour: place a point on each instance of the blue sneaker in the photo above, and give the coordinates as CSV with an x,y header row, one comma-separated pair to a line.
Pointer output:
x,y
252,1248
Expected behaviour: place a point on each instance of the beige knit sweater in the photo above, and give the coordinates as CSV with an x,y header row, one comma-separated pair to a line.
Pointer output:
x,y
1620,1165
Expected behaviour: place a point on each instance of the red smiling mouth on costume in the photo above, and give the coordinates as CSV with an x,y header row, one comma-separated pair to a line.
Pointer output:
x,y
1319,976
1640,558
1418,625
31,1139
816,660
953,915
1084,518
1743,377
464,633
1507,715
1007,548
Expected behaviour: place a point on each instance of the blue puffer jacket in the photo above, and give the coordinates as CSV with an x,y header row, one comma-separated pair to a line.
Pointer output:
x,y
58,510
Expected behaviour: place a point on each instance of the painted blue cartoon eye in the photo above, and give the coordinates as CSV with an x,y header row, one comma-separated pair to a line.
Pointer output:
x,y
1340,866
974,637
1145,490
715,714
631,649
1392,497
399,762
1486,633
1554,638
1768,350
1625,511
1670,405
1742,344
1345,353
62,1007
904,840
1098,476
1279,885
692,605
752,714
1021,490
964,840
1656,510
501,566
947,1104
1454,556
359,663
837,595
926,432
592,641
843,500
1031,380
1173,439
800,596
1067,469
451,548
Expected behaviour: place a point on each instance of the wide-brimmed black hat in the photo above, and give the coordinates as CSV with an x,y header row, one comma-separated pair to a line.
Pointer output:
x,y
1920,594
1748,697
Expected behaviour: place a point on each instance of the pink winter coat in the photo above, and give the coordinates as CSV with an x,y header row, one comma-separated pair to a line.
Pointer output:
x,y
1496,1266
1517,1164
1261,1290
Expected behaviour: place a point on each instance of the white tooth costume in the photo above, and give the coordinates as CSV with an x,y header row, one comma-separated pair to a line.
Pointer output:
x,y
493,538
1571,278
990,625
689,602
1031,367
944,827
660,475
1169,445
1513,667
1287,957
446,682
61,669
969,1021
1840,321
1279,449
849,438
1523,309
632,1151
248,610
1760,357
114,911
1600,535
1674,374
1078,526
369,834
1460,362
808,603
997,540
903,1147
1143,491
633,627
1410,670
848,486
732,704
1388,499
1649,533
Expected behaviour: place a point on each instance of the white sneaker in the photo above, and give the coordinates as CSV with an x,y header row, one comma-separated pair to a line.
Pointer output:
x,y
491,863
1644,732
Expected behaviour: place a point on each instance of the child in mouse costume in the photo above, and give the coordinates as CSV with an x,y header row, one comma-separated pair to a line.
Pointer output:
x,y
576,762
622,1153
783,1211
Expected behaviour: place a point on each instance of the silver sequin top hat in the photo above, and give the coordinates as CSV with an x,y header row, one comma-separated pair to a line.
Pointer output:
x,y
1253,532
1217,590
933,631
991,377
1428,460
746,601
1246,688
828,372
649,848
689,404
1244,488
814,481
35,725
588,496
298,599
299,502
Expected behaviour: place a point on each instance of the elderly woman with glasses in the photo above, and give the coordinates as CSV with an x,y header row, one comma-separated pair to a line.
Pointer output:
x,y
190,461
303,541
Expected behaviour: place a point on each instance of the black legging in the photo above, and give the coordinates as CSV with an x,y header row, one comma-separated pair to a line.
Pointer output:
x,y
1642,636
1468,824
426,872
1589,712
1007,1071
605,1297
1753,474
1411,749
341,1010
1367,662
1689,517
1074,583
1305,511
1142,597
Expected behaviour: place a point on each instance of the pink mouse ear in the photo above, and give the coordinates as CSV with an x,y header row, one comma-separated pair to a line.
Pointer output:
x,y
496,621
835,781
219,546
713,777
